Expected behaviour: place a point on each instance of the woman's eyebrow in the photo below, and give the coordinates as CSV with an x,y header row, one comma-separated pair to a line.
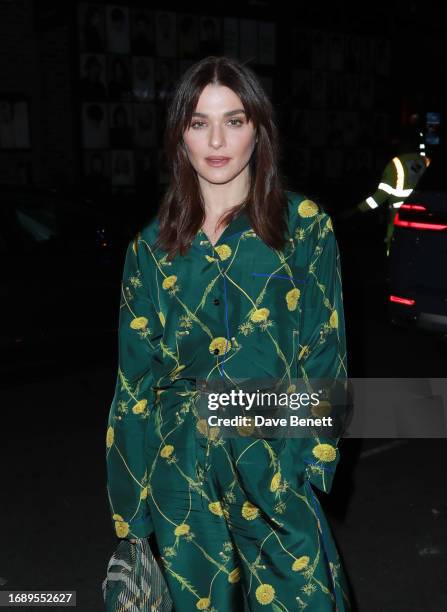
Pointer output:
x,y
227,114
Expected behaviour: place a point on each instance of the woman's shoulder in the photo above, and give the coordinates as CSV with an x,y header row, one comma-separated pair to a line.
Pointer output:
x,y
147,233
304,211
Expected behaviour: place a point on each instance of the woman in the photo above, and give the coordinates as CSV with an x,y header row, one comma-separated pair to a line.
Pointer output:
x,y
212,290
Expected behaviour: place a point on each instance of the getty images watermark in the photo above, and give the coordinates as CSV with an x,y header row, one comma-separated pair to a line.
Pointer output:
x,y
298,407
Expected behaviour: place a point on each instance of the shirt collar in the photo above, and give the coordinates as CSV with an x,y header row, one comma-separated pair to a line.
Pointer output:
x,y
232,231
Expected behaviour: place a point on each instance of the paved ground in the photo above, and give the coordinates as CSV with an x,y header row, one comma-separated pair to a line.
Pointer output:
x,y
388,507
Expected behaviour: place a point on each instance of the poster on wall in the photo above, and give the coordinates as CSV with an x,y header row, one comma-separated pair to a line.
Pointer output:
x,y
14,123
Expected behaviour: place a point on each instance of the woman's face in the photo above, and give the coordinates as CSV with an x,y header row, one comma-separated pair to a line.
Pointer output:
x,y
218,135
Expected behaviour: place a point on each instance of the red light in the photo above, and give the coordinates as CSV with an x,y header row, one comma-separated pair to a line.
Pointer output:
x,y
418,224
401,300
413,207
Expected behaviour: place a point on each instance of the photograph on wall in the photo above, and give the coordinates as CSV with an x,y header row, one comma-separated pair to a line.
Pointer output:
x,y
97,171
166,34
301,86
95,125
248,41
334,90
318,89
14,124
300,46
266,43
380,128
165,77
351,128
92,85
366,91
317,128
142,32
118,31
382,57
122,167
145,127
210,36
319,50
91,28
119,77
301,162
188,36
121,126
336,51
143,78
300,125
146,176
231,37
351,90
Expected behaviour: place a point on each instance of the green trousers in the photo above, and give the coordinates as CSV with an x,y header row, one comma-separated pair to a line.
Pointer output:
x,y
222,551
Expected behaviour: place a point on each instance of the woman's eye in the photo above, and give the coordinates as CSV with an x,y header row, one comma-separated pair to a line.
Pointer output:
x,y
200,123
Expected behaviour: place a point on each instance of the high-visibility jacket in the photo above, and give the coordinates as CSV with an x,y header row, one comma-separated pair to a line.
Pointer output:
x,y
399,179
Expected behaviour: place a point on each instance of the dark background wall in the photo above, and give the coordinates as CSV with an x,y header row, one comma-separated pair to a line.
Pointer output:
x,y
40,61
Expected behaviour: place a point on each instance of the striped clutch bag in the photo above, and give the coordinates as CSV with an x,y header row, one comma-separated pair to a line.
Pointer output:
x,y
134,581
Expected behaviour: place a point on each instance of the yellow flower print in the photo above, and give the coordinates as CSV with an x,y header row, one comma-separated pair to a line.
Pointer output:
x,y
329,224
169,281
249,511
260,314
248,429
167,451
182,529
175,371
322,409
139,407
292,298
304,352
333,320
276,480
265,594
300,563
144,492
213,433
325,452
221,344
139,323
110,437
203,603
223,250
307,208
234,575
135,243
121,528
162,318
117,517
216,508
209,258
291,389
202,426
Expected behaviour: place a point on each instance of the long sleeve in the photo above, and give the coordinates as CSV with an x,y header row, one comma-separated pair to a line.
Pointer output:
x,y
322,343
139,332
384,193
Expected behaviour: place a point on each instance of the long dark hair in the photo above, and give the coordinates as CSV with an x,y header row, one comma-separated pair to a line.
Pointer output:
x,y
182,211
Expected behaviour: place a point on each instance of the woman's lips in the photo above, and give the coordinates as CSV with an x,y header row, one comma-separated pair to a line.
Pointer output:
x,y
217,162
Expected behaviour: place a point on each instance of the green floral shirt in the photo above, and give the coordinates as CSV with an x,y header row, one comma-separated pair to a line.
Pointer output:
x,y
240,309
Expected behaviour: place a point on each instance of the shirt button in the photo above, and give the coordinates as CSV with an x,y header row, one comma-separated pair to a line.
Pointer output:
x,y
216,302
